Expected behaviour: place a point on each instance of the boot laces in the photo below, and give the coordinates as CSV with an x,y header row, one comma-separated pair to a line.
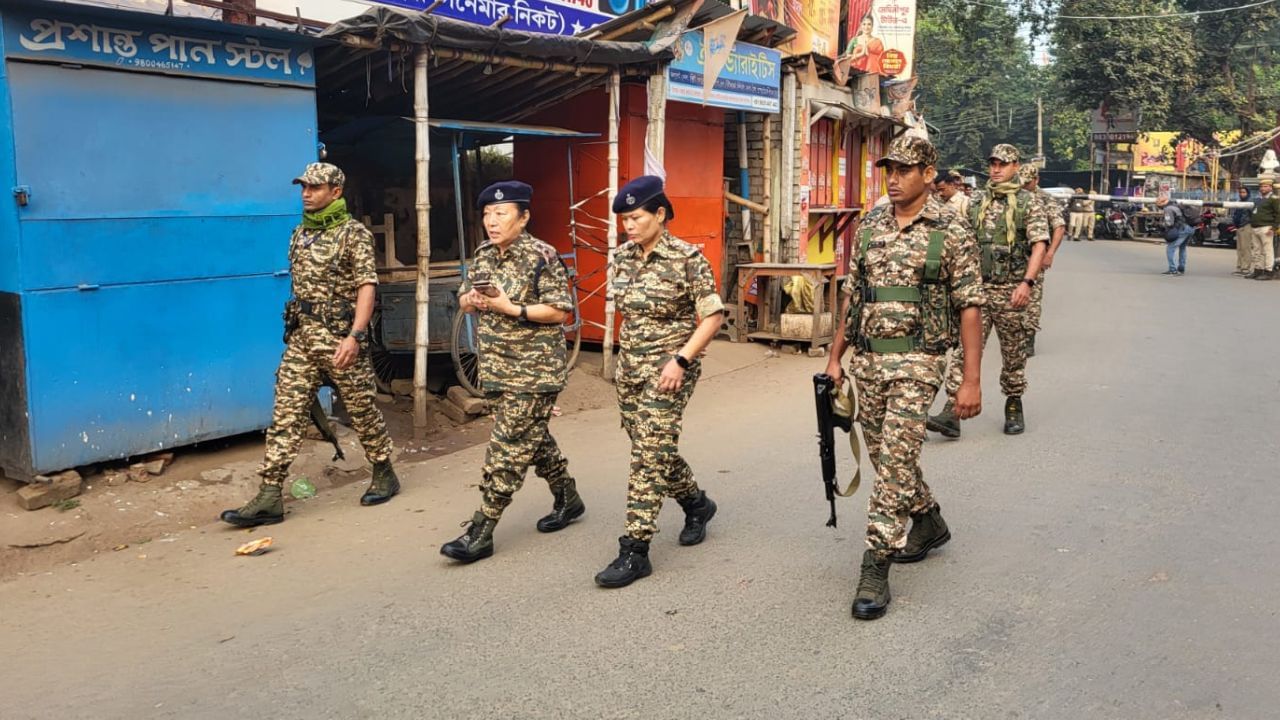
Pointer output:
x,y
872,580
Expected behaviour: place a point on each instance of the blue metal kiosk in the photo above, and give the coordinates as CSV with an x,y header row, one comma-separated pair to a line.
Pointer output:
x,y
143,247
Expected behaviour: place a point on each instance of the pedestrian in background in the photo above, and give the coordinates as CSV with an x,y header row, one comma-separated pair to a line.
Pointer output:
x,y
1081,217
1177,231
1244,234
1263,221
670,309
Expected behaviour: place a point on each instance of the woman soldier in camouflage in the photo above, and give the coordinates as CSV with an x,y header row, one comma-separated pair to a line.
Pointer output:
x,y
518,289
666,293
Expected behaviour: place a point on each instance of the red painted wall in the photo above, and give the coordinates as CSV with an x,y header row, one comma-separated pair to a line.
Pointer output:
x,y
694,158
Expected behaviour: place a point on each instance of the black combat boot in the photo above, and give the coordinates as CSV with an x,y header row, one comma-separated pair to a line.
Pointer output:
x,y
945,422
567,508
475,544
385,485
928,531
266,508
631,565
1014,423
873,587
698,511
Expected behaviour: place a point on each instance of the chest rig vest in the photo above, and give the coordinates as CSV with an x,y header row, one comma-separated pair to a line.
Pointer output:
x,y
1003,262
938,321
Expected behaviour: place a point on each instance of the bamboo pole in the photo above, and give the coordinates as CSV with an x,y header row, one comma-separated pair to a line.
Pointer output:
x,y
788,190
656,129
422,203
746,204
610,303
766,240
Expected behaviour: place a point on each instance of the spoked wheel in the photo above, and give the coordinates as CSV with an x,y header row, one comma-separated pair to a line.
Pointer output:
x,y
384,366
464,351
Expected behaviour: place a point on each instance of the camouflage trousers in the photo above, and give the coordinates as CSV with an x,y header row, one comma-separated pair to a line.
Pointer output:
x,y
1036,307
1013,328
652,419
892,413
520,438
308,354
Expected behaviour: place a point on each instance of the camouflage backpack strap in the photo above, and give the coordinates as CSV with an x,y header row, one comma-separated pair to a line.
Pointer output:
x,y
933,256
546,253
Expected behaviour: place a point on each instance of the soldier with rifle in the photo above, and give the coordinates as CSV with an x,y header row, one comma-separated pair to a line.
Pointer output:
x,y
914,289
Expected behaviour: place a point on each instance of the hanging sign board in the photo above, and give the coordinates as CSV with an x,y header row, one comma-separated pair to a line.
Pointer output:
x,y
750,80
555,17
75,35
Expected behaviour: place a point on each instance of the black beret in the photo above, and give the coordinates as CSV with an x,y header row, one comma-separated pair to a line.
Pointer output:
x,y
507,191
636,193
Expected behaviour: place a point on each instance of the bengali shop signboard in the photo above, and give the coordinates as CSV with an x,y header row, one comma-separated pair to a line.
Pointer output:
x,y
882,37
555,17
751,78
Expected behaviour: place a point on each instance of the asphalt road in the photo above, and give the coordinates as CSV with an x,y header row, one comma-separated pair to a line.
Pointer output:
x,y
1112,562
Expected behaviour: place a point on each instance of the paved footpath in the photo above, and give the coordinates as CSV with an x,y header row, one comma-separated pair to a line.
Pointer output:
x,y
1116,561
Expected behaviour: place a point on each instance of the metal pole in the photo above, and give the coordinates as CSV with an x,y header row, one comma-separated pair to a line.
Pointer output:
x,y
422,203
1092,152
615,97
1106,170
1040,130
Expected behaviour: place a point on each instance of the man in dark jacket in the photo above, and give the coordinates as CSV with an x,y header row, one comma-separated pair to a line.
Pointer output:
x,y
1264,220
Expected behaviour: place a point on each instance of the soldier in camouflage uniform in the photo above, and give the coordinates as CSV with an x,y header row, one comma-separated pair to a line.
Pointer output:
x,y
914,290
519,289
326,336
670,309
1030,177
1012,228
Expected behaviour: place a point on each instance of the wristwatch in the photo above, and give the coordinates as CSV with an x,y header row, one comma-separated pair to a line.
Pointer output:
x,y
1031,282
360,335
682,361
524,313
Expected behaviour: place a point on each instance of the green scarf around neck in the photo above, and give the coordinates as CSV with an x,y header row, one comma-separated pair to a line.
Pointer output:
x,y
1009,190
335,214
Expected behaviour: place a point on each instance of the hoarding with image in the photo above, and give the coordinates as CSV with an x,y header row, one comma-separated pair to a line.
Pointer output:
x,y
816,22
882,37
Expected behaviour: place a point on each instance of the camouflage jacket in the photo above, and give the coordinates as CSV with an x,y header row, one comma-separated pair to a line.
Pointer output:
x,y
661,299
896,258
516,355
1055,209
333,263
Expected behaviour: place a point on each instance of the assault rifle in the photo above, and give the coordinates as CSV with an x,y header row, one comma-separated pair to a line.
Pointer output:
x,y
825,391
321,421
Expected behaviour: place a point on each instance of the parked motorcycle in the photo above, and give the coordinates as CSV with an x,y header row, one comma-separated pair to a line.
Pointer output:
x,y
1114,224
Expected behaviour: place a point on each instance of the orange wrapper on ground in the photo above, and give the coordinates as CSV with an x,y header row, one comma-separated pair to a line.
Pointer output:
x,y
257,547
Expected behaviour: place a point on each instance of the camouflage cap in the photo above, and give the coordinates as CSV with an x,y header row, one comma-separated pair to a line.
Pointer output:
x,y
910,150
321,174
1028,172
1005,152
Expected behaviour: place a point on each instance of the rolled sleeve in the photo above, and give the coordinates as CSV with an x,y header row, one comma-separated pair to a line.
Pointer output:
x,y
702,287
362,263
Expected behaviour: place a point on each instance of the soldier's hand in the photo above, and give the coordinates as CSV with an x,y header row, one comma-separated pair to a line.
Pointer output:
x,y
672,377
835,370
501,303
1048,261
968,400
346,354
1021,296
474,300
